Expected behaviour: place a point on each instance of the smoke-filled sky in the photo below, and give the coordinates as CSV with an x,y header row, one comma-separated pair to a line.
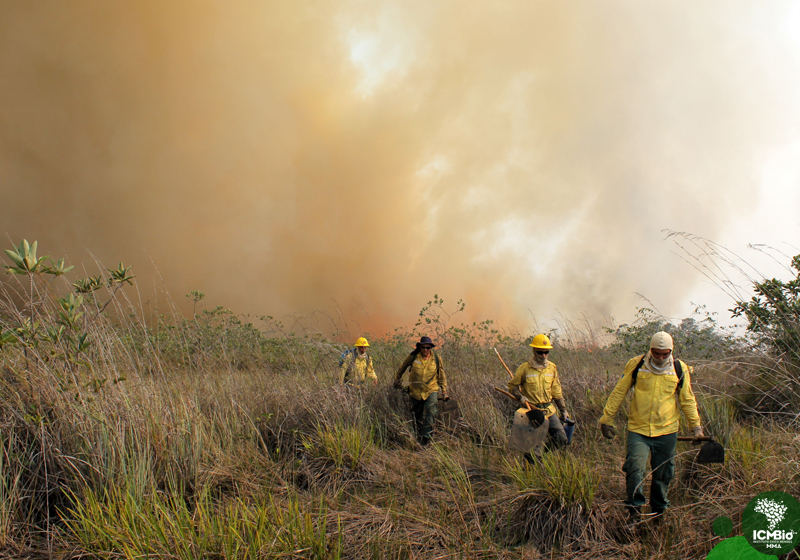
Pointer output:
x,y
362,155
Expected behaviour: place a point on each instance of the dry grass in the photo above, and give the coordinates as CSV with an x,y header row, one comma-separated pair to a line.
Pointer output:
x,y
250,450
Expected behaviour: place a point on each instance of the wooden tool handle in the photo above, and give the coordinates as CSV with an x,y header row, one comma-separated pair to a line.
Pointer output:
x,y
510,396
703,438
502,362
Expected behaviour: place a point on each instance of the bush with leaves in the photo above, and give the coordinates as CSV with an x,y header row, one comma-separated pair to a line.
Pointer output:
x,y
694,338
773,314
50,329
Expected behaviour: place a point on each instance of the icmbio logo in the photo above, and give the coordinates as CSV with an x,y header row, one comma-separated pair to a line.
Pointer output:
x,y
771,523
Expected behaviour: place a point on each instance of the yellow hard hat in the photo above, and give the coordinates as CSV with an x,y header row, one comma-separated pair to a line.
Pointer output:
x,y
362,342
541,342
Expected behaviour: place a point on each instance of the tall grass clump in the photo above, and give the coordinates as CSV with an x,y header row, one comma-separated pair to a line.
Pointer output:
x,y
345,446
718,413
166,525
563,477
553,507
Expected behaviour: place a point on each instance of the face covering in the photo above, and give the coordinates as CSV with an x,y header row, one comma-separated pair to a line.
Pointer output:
x,y
538,361
659,366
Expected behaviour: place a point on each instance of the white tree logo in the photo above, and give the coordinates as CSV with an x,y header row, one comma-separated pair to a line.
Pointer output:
x,y
773,510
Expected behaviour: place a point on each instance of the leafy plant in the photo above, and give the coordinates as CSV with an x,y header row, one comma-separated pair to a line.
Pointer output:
x,y
773,314
88,285
26,263
24,259
695,338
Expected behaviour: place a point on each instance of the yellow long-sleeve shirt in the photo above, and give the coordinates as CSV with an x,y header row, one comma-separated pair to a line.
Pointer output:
x,y
361,369
654,409
424,377
538,385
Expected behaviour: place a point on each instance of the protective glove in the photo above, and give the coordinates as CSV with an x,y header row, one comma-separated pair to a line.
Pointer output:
x,y
523,401
397,384
697,432
562,409
608,431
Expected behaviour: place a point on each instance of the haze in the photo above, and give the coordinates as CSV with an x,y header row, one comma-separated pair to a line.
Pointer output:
x,y
292,157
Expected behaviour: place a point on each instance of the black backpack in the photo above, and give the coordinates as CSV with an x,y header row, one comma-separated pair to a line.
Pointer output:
x,y
678,372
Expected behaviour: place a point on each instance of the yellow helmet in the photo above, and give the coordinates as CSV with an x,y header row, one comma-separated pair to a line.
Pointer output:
x,y
541,342
362,342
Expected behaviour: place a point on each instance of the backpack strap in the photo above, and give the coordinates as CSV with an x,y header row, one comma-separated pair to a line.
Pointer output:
x,y
678,372
407,363
635,372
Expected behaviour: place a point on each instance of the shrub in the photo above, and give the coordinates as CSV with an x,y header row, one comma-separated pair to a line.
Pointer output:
x,y
773,314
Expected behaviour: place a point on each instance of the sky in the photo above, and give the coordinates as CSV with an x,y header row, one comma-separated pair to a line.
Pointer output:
x,y
544,161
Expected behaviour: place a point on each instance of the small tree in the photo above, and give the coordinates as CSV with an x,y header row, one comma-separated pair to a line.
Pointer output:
x,y
26,263
773,315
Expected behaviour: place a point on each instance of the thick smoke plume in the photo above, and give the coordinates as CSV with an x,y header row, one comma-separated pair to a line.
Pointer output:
x,y
289,157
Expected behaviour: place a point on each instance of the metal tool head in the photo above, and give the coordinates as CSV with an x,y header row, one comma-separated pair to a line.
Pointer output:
x,y
524,436
535,417
448,406
711,452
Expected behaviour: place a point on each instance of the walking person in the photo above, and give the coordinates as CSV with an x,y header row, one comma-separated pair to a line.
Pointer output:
x,y
536,383
355,365
426,380
662,389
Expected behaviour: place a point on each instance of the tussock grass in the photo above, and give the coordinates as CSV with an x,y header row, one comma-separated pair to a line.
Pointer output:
x,y
565,478
166,525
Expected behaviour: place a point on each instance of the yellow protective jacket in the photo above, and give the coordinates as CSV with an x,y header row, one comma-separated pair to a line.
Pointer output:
x,y
654,409
539,385
363,368
425,377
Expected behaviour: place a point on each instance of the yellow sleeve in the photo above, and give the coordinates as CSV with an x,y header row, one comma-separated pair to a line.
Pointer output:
x,y
370,371
516,381
555,388
442,376
617,396
687,400
404,366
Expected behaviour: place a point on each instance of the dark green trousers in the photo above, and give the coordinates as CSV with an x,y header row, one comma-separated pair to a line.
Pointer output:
x,y
425,412
661,450
558,437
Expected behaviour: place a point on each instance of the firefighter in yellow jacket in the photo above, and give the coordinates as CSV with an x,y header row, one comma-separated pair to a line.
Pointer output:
x,y
426,379
536,382
357,364
661,390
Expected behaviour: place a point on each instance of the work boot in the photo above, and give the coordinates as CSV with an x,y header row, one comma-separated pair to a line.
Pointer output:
x,y
634,514
657,515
